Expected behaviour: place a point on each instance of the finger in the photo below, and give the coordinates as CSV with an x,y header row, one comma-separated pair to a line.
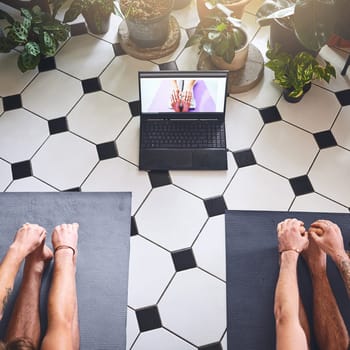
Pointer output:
x,y
314,236
317,231
75,225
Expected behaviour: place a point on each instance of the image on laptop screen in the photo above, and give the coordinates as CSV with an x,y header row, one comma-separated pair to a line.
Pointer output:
x,y
177,92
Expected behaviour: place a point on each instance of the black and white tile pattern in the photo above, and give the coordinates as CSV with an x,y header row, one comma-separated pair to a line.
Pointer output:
x,y
73,124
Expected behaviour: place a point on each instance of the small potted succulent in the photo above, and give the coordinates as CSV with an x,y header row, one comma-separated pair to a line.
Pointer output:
x,y
204,7
97,14
224,40
295,73
37,35
147,21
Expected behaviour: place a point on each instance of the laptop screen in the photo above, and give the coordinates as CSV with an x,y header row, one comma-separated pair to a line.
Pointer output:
x,y
199,93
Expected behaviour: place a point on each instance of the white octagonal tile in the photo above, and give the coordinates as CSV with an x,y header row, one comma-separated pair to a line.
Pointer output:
x,y
52,94
29,184
341,127
194,307
307,114
314,202
255,188
188,58
5,174
15,80
132,328
224,342
1,106
188,16
243,124
150,270
64,161
171,217
285,149
125,69
99,117
118,175
128,142
330,174
84,56
21,134
209,248
208,183
160,339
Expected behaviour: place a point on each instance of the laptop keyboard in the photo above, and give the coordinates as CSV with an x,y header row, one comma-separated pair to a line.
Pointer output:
x,y
183,134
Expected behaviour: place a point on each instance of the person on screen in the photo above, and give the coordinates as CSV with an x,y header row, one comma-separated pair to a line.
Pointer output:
x,y
292,329
181,99
23,332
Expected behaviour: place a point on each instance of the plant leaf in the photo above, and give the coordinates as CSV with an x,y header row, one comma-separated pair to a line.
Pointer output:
x,y
73,12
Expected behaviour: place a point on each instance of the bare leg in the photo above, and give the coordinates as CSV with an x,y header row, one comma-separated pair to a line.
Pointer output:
x,y
25,321
330,330
63,331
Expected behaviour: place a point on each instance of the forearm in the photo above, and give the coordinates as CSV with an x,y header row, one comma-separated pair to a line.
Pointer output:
x,y
342,261
287,291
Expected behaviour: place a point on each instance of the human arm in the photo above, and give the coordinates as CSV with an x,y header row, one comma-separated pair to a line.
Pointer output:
x,y
188,90
292,239
328,237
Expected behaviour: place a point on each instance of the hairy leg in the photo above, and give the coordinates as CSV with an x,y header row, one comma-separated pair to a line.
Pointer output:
x,y
25,321
330,330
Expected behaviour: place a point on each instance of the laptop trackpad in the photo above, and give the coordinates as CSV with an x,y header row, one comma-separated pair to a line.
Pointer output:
x,y
167,159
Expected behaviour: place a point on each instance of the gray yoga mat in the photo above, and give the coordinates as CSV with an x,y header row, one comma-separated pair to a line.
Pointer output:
x,y
252,271
102,266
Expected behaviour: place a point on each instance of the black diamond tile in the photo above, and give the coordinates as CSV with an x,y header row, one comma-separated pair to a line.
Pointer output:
x,y
78,29
91,85
118,50
148,318
215,206
21,169
343,97
213,346
133,227
12,102
46,64
325,139
270,114
73,189
159,178
107,150
301,185
58,125
168,66
244,158
183,259
135,108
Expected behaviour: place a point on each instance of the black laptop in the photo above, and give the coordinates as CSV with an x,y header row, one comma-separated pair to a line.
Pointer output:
x,y
183,120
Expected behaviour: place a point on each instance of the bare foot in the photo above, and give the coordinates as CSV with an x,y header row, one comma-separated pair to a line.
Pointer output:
x,y
315,257
39,258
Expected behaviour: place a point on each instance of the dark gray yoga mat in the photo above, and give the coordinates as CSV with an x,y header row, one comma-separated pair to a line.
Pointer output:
x,y
102,270
252,271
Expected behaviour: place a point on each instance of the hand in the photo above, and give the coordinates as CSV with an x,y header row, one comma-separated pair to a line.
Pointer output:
x,y
28,238
292,235
328,237
65,235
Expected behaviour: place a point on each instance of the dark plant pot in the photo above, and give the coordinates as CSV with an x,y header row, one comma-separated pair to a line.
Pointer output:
x,y
93,27
290,99
180,4
148,33
306,87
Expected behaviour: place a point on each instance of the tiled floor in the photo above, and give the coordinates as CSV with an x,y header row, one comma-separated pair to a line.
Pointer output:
x,y
74,125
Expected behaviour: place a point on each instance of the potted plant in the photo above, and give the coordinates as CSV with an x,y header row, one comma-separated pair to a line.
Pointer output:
x,y
147,21
295,73
97,14
37,35
204,7
312,22
224,40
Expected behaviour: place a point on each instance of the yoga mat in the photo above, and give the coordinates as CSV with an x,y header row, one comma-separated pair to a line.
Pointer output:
x,y
252,272
103,256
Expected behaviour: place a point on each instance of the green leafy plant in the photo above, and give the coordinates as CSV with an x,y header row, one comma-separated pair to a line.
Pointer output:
x,y
218,36
293,73
38,34
97,9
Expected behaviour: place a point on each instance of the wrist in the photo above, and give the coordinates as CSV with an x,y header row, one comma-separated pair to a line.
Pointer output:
x,y
289,255
16,253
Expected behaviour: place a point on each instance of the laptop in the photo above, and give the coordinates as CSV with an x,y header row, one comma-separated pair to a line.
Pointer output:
x,y
183,120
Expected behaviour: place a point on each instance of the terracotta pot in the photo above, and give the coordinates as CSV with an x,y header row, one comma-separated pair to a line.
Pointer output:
x,y
237,63
237,8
